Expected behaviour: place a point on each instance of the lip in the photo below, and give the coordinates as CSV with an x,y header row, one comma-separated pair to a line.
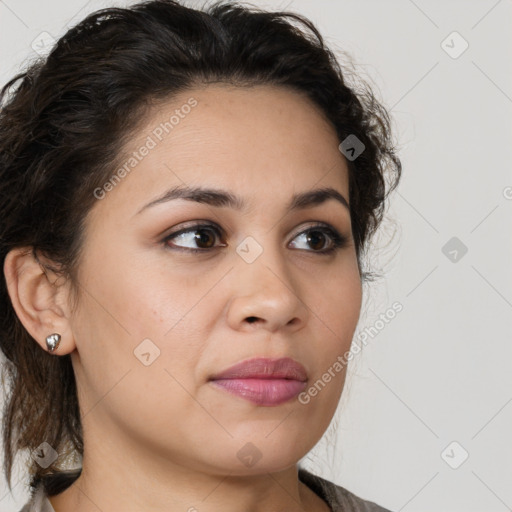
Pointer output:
x,y
263,381
265,368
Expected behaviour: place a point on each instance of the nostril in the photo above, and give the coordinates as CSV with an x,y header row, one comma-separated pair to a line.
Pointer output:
x,y
251,319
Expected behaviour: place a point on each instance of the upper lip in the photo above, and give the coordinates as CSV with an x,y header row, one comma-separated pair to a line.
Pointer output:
x,y
265,368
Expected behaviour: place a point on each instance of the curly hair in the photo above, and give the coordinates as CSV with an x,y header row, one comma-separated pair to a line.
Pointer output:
x,y
63,123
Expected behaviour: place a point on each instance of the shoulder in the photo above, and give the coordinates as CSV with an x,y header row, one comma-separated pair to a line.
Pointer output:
x,y
338,498
38,502
48,486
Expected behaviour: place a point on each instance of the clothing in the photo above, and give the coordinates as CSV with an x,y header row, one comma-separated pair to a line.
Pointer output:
x,y
338,498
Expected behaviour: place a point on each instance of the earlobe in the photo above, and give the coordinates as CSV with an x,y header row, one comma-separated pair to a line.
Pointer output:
x,y
35,299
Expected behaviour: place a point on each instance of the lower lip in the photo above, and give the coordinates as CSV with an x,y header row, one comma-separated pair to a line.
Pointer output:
x,y
267,392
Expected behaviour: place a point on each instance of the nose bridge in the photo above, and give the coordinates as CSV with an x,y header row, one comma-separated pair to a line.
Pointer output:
x,y
265,288
264,256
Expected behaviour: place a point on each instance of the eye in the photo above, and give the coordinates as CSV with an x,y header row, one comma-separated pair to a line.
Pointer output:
x,y
204,236
201,234
318,234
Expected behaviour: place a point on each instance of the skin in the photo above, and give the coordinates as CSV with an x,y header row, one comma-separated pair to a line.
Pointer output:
x,y
161,437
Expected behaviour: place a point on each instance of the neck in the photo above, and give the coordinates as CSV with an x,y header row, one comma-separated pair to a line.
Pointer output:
x,y
118,485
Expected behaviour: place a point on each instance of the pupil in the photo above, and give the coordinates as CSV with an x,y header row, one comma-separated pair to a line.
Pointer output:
x,y
312,237
201,238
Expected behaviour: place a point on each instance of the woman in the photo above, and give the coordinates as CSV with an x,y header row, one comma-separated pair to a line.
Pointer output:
x,y
187,197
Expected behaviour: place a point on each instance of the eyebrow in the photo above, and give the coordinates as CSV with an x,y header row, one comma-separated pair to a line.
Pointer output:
x,y
223,198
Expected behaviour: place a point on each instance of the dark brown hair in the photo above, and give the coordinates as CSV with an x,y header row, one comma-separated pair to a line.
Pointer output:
x,y
64,120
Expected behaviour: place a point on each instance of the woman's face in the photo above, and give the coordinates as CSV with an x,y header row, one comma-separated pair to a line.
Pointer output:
x,y
156,320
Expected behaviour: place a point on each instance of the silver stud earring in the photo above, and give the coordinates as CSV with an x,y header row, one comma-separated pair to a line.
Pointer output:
x,y
52,341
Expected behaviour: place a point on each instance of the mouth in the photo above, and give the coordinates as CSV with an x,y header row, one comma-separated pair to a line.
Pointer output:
x,y
263,381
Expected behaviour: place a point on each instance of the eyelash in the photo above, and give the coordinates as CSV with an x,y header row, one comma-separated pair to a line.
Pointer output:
x,y
338,241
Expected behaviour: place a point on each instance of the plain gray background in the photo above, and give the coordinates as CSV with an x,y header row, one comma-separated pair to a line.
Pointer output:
x,y
433,386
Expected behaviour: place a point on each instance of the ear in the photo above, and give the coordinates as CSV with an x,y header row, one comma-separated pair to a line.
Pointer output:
x,y
39,297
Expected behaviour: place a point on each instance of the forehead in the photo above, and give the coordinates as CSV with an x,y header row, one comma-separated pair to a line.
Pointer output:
x,y
254,140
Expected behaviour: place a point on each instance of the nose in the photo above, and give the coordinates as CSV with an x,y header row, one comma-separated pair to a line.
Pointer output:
x,y
266,295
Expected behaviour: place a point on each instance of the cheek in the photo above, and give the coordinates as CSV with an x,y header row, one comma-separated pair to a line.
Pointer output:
x,y
335,304
172,310
126,318
143,299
